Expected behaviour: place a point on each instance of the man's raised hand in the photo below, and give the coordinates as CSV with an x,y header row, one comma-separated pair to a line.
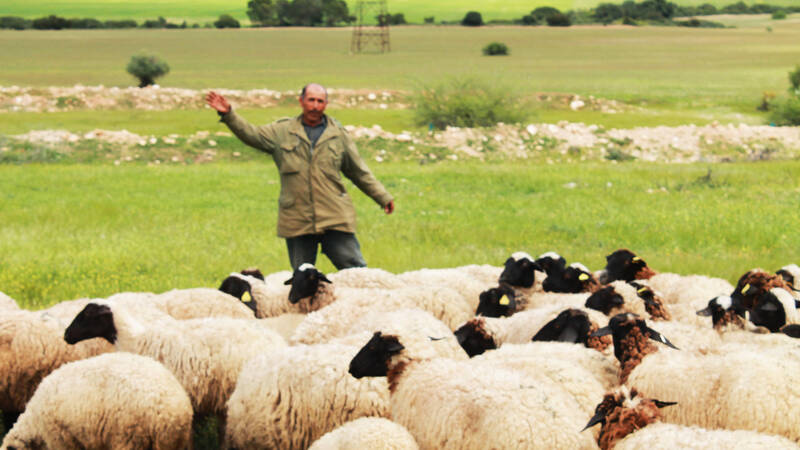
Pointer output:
x,y
218,102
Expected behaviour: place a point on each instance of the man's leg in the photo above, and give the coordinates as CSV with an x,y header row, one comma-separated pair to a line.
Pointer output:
x,y
303,249
342,249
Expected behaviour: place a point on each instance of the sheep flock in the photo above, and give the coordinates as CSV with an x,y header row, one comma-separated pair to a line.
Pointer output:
x,y
531,354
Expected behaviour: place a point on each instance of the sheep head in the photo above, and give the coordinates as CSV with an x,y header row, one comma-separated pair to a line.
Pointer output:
x,y
305,282
551,263
604,300
239,287
631,337
372,360
571,325
623,412
94,320
773,309
623,264
752,285
473,337
519,270
574,279
497,302
789,274
653,304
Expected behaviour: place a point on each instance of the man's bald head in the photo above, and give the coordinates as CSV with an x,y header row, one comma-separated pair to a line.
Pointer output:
x,y
314,88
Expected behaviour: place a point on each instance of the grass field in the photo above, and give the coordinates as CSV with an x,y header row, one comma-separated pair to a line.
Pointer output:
x,y
694,69
202,11
75,231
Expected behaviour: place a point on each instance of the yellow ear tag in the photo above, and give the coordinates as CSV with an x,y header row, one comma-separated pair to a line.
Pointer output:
x,y
583,277
641,291
636,258
746,288
504,300
246,297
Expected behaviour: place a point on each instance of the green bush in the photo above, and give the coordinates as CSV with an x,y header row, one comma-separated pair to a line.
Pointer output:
x,y
468,102
541,13
495,48
85,24
785,111
794,80
227,21
472,19
14,23
779,14
429,20
558,20
147,68
120,23
50,22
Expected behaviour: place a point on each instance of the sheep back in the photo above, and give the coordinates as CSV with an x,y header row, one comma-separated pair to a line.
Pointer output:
x,y
665,436
366,433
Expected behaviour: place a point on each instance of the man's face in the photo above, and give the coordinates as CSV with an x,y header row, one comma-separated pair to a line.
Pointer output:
x,y
313,104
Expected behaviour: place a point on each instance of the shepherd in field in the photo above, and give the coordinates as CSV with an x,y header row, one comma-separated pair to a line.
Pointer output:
x,y
310,150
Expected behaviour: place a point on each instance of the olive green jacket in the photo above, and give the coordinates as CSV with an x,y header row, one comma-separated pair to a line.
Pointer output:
x,y
313,198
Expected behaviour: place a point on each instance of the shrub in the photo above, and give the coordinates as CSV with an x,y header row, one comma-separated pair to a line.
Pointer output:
x,y
147,68
120,24
495,48
786,111
558,20
468,102
472,19
429,20
227,21
779,15
697,23
50,22
85,24
607,12
160,23
14,23
262,13
541,13
794,80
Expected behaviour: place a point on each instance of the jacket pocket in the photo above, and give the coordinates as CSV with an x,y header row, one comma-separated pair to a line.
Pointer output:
x,y
291,160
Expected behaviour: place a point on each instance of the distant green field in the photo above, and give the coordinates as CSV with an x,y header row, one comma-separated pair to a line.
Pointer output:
x,y
71,231
697,69
202,11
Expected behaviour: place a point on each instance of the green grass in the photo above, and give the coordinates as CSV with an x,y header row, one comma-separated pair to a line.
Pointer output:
x,y
81,230
677,68
208,10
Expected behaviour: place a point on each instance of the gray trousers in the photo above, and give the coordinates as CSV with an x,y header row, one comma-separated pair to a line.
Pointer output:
x,y
340,247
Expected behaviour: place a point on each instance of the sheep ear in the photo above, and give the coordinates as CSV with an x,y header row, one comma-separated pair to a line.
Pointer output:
x,y
289,281
598,418
661,404
791,330
705,312
322,277
394,346
656,336
605,331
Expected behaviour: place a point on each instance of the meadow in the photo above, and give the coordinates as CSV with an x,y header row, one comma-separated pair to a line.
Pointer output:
x,y
202,11
74,231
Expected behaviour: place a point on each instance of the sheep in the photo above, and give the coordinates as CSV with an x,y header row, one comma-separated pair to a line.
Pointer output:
x,y
631,421
205,355
500,301
7,302
462,282
366,277
624,265
452,404
790,274
523,273
573,279
481,333
272,299
621,296
115,400
291,397
366,433
198,303
747,389
483,273
444,303
31,347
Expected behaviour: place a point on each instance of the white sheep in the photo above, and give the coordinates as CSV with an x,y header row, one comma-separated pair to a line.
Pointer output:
x,y
462,281
7,302
198,303
746,389
366,277
31,346
367,433
791,274
684,295
631,421
334,320
290,397
115,400
408,321
205,355
452,404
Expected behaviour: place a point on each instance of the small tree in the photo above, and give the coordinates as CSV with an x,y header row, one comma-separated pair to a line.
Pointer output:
x,y
262,12
147,68
472,19
558,20
227,21
495,48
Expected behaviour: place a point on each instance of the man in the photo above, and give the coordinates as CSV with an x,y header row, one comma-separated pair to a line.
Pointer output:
x,y
310,151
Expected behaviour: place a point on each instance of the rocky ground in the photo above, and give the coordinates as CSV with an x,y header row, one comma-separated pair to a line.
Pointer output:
x,y
547,142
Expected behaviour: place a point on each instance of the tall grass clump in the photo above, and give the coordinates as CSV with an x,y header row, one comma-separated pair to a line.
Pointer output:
x,y
468,102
